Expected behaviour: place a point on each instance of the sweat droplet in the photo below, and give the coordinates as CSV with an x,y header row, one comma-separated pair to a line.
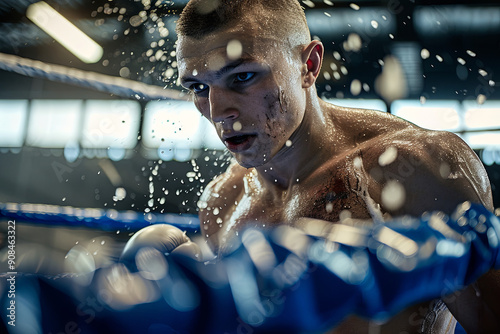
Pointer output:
x,y
471,53
135,21
391,83
345,214
120,194
308,3
124,72
356,87
393,195
237,126
329,207
169,73
354,6
358,162
353,43
444,170
388,157
481,99
234,49
425,54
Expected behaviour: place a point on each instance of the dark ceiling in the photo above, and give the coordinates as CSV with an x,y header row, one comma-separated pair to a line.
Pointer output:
x,y
135,49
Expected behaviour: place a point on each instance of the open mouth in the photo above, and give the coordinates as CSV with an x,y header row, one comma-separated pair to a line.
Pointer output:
x,y
241,142
237,139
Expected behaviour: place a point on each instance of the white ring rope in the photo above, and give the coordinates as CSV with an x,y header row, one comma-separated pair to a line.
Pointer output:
x,y
105,83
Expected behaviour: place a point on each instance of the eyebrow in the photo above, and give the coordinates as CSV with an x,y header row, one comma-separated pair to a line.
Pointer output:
x,y
229,67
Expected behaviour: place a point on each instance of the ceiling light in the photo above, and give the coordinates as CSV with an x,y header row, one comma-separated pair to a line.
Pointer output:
x,y
63,31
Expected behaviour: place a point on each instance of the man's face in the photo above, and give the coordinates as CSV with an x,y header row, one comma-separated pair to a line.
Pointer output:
x,y
251,91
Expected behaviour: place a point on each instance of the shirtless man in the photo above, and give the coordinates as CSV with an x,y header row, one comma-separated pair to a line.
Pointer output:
x,y
251,67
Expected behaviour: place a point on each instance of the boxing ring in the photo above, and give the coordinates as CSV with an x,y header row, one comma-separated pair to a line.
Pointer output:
x,y
281,280
287,279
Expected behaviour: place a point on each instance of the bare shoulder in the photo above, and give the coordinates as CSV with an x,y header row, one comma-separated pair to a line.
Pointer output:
x,y
366,124
436,169
217,199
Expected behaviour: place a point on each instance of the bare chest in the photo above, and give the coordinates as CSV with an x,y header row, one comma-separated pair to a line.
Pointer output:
x,y
327,196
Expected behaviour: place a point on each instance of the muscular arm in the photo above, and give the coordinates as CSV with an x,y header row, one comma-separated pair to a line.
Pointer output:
x,y
438,171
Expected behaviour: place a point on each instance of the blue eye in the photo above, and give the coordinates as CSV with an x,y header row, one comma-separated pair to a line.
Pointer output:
x,y
245,76
198,88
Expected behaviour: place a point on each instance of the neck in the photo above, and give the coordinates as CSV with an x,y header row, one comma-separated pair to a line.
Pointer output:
x,y
307,150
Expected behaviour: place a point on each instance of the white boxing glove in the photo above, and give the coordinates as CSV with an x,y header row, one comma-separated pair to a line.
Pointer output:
x,y
167,239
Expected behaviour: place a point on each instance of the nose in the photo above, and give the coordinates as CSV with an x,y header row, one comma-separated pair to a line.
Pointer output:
x,y
222,107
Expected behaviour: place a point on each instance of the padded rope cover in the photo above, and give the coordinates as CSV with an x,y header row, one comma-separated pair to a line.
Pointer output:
x,y
103,219
105,83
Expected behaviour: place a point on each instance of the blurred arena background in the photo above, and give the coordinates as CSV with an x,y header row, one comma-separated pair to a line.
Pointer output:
x,y
111,129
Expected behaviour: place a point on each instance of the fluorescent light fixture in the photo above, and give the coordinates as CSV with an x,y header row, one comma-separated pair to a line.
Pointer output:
x,y
63,31
482,116
479,140
111,124
177,124
172,124
372,104
12,127
447,20
53,123
433,115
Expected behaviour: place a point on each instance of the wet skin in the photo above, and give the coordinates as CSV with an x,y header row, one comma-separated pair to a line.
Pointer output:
x,y
298,156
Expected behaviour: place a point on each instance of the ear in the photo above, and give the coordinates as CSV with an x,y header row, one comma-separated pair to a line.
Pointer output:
x,y
312,59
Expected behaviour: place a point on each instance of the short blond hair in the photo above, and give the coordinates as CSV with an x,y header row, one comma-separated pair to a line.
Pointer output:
x,y
201,17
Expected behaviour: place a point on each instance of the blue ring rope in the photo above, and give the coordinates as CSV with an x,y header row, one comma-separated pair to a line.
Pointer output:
x,y
103,219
